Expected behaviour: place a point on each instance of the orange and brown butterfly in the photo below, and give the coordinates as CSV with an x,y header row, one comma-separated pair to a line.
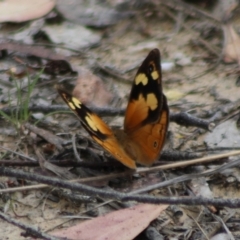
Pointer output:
x,y
146,118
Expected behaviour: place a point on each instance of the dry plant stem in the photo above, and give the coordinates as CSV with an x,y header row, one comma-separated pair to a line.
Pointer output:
x,y
39,155
187,177
31,231
199,226
143,170
76,154
231,203
195,161
223,225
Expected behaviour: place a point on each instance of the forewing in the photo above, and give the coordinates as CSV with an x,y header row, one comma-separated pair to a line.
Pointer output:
x,y
146,98
97,129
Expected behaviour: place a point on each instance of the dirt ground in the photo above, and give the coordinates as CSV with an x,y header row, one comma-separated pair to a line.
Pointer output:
x,y
197,79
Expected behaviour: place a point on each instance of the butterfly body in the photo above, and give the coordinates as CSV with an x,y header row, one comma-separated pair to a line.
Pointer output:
x,y
146,118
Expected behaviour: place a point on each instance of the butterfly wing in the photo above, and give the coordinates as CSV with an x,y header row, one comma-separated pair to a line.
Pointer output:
x,y
147,114
146,118
145,100
149,139
97,129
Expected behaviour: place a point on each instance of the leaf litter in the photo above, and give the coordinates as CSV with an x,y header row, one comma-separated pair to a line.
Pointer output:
x,y
118,45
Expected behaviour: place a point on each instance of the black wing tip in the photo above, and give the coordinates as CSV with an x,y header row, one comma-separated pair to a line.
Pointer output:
x,y
62,91
154,54
155,51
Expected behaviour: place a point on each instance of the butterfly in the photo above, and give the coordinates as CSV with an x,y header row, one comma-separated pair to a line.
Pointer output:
x,y
146,118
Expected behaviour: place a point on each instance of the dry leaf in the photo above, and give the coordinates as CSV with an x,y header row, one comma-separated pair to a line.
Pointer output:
x,y
231,50
24,10
123,224
91,90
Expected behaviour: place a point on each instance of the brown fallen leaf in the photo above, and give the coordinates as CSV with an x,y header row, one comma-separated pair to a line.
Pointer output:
x,y
231,49
24,10
91,90
122,224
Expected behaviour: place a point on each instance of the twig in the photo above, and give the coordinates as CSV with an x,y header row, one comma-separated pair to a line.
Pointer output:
x,y
56,108
199,226
76,154
186,119
34,161
31,231
174,155
168,155
143,170
181,118
187,177
62,163
82,180
231,203
223,225
195,161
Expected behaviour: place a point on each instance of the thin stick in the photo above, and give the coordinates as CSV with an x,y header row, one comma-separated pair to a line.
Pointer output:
x,y
115,195
32,231
140,170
